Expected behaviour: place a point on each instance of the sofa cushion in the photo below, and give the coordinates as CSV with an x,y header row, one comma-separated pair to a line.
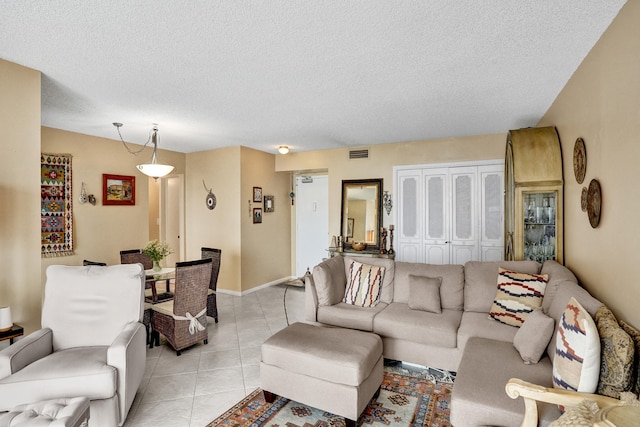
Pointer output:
x,y
330,280
533,336
480,325
478,396
349,316
401,322
576,365
386,294
617,355
635,336
481,278
557,273
451,289
564,292
364,283
424,293
518,295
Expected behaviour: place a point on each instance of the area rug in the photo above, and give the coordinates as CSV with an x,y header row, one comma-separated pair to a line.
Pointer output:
x,y
56,227
406,399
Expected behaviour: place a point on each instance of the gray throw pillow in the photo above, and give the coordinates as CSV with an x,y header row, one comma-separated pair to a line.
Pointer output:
x,y
330,281
424,293
534,335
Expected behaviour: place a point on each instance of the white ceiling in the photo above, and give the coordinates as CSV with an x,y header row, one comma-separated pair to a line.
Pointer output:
x,y
308,74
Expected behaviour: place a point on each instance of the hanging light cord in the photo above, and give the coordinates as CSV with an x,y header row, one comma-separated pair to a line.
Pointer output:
x,y
135,153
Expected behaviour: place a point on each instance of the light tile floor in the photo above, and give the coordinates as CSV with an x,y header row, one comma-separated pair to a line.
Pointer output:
x,y
193,389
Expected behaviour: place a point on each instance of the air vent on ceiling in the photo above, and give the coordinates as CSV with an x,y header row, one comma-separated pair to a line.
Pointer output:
x,y
359,154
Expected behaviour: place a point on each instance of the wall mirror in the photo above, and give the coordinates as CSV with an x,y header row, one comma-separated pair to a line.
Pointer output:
x,y
361,217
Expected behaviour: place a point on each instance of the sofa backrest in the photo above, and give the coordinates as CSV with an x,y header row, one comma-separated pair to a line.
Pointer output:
x,y
481,281
557,273
451,288
386,293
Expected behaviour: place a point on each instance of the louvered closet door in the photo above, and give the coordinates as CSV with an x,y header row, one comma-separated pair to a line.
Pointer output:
x,y
409,228
464,215
436,217
492,208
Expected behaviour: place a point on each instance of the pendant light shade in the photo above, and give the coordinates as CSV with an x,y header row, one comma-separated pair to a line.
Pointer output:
x,y
153,169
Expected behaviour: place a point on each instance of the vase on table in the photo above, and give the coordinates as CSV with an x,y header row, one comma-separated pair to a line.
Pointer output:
x,y
157,266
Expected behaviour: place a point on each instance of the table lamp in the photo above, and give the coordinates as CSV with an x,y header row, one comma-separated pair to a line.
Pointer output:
x,y
5,319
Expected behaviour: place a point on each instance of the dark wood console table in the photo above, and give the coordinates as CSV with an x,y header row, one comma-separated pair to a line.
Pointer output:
x,y
15,331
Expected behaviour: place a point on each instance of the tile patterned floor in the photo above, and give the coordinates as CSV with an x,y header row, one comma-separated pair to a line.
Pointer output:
x,y
193,389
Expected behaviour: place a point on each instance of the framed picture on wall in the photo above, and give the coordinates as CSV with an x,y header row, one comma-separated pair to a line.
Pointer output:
x,y
257,194
257,215
118,190
268,203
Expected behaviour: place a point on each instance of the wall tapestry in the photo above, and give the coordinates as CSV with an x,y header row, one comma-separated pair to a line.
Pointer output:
x,y
56,227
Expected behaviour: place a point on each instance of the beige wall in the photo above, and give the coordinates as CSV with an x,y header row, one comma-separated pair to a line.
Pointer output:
x,y
20,286
101,232
601,103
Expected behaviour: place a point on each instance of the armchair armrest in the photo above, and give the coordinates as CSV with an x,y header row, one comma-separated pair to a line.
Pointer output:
x,y
533,393
23,352
311,299
128,354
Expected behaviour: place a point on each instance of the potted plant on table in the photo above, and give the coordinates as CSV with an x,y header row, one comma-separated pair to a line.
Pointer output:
x,y
157,251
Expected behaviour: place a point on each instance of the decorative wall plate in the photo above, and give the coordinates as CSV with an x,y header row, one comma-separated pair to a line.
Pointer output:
x,y
579,160
583,199
594,203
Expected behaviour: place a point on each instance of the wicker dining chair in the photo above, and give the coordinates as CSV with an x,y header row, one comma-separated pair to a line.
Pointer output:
x,y
183,320
215,255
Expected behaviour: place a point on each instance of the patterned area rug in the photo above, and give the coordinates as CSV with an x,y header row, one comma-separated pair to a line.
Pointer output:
x,y
407,398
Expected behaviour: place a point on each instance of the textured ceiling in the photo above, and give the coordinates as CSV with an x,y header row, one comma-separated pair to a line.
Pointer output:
x,y
308,74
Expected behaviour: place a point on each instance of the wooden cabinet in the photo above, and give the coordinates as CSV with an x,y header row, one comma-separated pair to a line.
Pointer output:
x,y
449,214
534,195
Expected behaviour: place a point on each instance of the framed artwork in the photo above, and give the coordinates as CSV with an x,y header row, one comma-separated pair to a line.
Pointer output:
x,y
257,215
268,203
118,190
350,227
257,194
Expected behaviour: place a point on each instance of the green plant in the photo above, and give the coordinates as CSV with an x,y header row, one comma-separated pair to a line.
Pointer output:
x,y
156,250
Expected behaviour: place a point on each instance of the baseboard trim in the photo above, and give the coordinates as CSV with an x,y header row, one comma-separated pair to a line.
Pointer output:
x,y
254,289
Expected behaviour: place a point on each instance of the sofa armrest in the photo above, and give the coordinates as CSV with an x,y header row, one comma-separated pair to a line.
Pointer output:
x,y
311,299
128,354
25,351
533,393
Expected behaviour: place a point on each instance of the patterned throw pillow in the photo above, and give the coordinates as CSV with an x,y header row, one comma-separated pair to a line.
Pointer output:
x,y
576,365
364,284
635,336
617,355
518,295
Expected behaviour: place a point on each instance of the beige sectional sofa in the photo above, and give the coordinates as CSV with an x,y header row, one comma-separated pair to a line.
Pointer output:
x,y
461,338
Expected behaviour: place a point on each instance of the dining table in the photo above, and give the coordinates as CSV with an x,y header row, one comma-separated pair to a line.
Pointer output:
x,y
152,277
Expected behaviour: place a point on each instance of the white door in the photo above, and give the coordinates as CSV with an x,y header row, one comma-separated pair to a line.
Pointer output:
x,y
491,215
408,215
312,221
464,215
436,217
171,218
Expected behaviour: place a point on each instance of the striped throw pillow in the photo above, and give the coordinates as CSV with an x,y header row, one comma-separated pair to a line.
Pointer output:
x,y
363,284
576,365
517,296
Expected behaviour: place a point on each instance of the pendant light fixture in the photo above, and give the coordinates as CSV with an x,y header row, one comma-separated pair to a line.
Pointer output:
x,y
153,169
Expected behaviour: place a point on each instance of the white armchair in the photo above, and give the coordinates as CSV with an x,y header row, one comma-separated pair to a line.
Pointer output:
x,y
91,344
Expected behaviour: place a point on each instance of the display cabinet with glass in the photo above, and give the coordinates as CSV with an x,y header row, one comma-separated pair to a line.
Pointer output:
x,y
539,218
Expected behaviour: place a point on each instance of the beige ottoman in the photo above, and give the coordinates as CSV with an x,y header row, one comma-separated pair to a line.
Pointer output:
x,y
72,412
333,369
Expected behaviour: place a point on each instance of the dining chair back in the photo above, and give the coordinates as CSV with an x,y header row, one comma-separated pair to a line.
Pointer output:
x,y
134,256
183,320
87,262
215,255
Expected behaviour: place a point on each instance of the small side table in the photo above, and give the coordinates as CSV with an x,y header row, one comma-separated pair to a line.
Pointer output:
x,y
15,331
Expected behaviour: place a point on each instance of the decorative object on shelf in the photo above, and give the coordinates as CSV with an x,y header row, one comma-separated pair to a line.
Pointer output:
x,y
84,197
283,149
154,169
268,203
5,319
340,244
257,194
118,190
358,246
157,251
583,199
334,243
56,213
211,198
383,240
387,203
594,203
257,215
391,251
579,160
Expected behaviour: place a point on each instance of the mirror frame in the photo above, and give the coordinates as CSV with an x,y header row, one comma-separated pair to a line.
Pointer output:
x,y
346,183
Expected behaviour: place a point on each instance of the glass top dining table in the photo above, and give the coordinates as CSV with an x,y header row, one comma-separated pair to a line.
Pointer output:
x,y
152,277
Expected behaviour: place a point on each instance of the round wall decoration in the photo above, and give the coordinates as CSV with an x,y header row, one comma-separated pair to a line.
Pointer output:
x,y
579,160
594,203
583,199
211,201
